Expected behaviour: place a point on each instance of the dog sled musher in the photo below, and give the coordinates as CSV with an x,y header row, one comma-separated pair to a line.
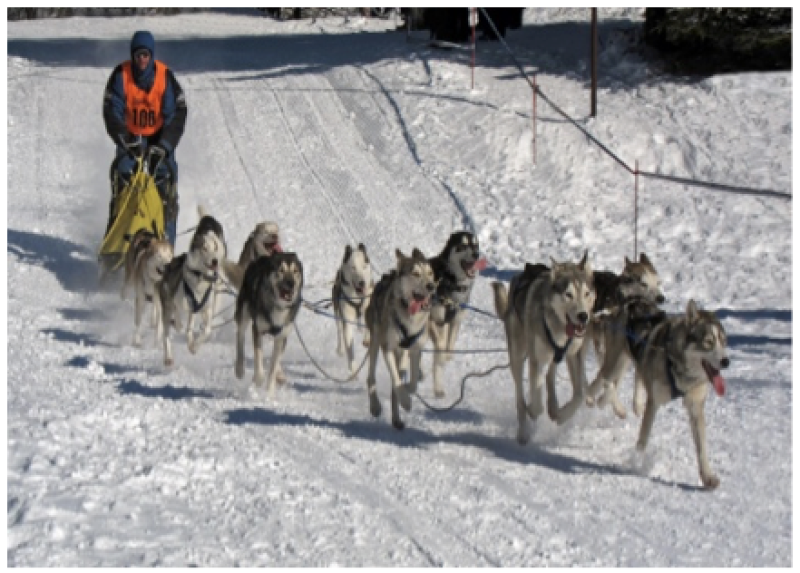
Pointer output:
x,y
144,199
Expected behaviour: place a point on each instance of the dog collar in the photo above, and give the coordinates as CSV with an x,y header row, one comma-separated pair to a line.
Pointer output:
x,y
559,351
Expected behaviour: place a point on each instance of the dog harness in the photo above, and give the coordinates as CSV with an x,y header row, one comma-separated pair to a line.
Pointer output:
x,y
197,306
673,385
559,350
406,341
357,305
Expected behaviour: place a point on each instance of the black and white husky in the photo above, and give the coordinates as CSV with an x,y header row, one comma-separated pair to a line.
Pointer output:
x,y
189,284
455,269
397,319
269,300
352,290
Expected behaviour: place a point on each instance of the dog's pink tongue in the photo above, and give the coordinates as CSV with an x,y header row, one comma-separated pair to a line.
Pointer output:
x,y
719,384
570,330
480,264
415,306
277,248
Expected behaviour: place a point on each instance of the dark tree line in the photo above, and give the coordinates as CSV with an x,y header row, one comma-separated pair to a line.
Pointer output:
x,y
706,40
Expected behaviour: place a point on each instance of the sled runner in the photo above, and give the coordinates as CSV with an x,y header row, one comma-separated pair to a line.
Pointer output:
x,y
145,201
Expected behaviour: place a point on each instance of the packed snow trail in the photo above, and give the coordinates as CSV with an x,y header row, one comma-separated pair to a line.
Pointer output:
x,y
344,132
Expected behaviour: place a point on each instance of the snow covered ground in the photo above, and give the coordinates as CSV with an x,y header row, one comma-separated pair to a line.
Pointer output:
x,y
345,131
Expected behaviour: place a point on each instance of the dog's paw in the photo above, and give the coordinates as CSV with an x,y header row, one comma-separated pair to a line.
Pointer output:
x,y
398,424
280,377
238,369
619,410
403,397
365,343
638,408
375,407
710,482
590,401
169,362
523,435
439,393
340,351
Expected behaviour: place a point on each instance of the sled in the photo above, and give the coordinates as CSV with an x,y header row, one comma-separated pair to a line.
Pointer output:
x,y
135,204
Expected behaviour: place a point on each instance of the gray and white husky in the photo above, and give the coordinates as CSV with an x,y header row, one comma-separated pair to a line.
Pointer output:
x,y
352,290
145,264
397,319
546,314
189,284
269,300
263,241
455,269
675,357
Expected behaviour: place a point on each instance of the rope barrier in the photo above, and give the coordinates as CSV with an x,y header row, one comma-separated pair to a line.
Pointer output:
x,y
686,181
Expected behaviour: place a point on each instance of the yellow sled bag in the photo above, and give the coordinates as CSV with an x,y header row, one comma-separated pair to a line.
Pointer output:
x,y
137,206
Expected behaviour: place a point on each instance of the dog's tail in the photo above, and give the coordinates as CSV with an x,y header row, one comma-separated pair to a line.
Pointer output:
x,y
201,211
500,299
234,273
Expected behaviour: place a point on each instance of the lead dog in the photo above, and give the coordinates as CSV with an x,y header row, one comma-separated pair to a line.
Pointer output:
x,y
546,314
189,284
455,269
263,241
268,300
675,357
352,291
397,319
145,264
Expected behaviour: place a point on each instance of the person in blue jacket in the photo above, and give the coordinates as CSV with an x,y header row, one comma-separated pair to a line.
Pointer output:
x,y
144,107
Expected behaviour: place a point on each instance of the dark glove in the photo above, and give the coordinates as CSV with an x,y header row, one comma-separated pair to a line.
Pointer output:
x,y
130,142
157,151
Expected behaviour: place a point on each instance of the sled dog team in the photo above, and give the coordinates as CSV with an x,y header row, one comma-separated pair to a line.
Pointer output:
x,y
549,313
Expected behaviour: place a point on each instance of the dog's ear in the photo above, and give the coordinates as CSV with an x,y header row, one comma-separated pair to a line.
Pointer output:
x,y
628,262
417,254
584,265
362,248
646,262
692,313
400,257
348,250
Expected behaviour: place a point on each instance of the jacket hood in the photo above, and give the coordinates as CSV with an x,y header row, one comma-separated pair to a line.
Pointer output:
x,y
143,39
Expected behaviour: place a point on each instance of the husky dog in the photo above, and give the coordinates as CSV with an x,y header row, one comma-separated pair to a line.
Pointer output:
x,y
269,300
675,357
189,284
455,269
138,244
397,319
637,279
145,264
351,294
263,241
546,314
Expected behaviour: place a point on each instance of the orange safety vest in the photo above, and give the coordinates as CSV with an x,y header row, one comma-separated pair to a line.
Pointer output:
x,y
143,109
